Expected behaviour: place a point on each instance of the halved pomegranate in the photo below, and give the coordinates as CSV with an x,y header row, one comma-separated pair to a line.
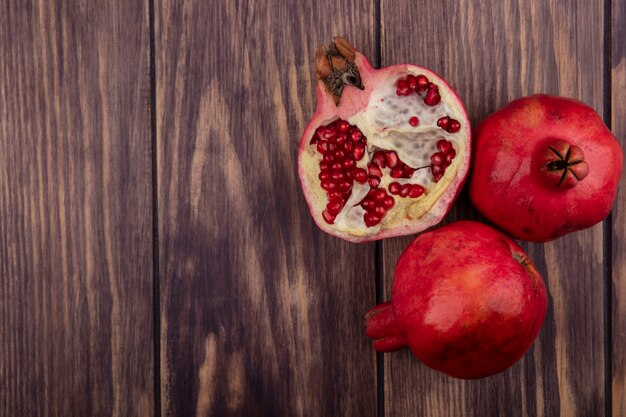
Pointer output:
x,y
387,151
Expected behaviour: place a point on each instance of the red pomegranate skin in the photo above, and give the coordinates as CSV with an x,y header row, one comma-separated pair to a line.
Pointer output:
x,y
466,300
510,184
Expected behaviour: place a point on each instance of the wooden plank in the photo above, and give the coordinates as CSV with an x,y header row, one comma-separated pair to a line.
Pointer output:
x,y
75,209
261,312
618,289
492,54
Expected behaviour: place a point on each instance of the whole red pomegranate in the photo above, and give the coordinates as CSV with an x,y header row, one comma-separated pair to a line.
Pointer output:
x,y
386,152
466,300
545,166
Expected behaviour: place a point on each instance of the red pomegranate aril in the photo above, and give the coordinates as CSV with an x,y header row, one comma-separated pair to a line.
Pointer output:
x,y
372,219
374,182
450,155
322,147
359,151
328,217
394,188
339,154
443,122
324,166
437,158
334,207
444,146
422,83
337,175
391,159
336,166
329,158
416,191
414,121
368,204
397,173
331,147
437,170
335,196
374,170
343,126
328,185
344,186
432,97
408,172
348,146
402,88
355,135
379,195
348,163
405,190
380,210
341,138
454,127
379,159
360,176
324,175
389,202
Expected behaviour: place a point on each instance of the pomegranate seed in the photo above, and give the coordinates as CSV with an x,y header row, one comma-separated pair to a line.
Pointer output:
x,y
438,177
422,83
411,80
324,175
339,154
344,186
334,207
443,145
391,159
348,146
355,135
408,171
437,170
389,202
335,196
379,159
374,182
437,158
343,126
414,121
348,163
397,172
332,147
329,158
329,218
359,151
341,138
329,134
322,147
443,122
328,185
368,204
336,166
336,176
394,187
379,195
450,155
380,210
416,191
374,170
360,176
432,97
405,190
371,219
454,127
324,166
402,88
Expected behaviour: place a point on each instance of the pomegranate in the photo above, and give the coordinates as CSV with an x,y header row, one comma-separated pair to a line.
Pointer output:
x,y
466,300
545,166
387,151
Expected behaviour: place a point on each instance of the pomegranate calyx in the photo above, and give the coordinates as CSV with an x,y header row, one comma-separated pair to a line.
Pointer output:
x,y
561,164
334,65
381,326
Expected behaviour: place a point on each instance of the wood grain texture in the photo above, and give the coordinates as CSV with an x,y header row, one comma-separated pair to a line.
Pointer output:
x,y
261,312
618,256
75,209
492,52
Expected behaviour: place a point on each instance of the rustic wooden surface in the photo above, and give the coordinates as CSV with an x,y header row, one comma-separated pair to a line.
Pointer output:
x,y
157,257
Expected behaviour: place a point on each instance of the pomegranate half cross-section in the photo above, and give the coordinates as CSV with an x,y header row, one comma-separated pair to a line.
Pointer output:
x,y
387,150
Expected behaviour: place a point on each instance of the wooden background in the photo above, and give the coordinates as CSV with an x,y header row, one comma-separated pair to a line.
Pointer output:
x,y
157,257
